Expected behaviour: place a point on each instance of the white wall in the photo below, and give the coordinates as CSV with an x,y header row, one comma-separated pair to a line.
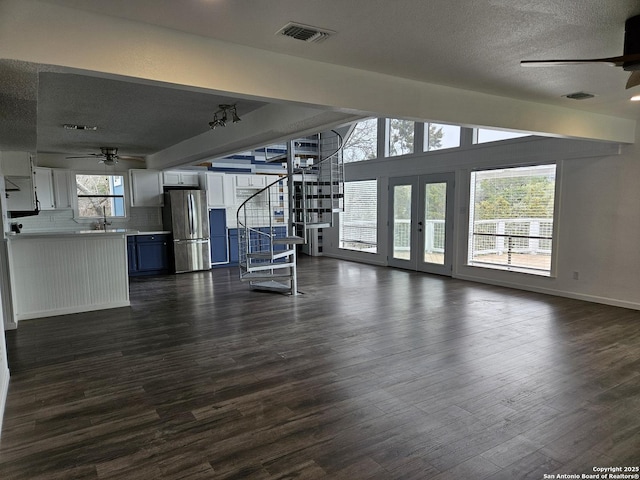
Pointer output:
x,y
4,372
598,214
5,316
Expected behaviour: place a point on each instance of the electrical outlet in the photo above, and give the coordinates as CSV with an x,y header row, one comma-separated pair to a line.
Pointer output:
x,y
576,275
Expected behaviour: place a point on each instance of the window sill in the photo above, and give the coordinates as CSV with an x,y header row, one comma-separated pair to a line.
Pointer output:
x,y
507,268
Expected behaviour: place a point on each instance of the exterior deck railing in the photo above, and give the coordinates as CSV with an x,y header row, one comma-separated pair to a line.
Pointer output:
x,y
513,241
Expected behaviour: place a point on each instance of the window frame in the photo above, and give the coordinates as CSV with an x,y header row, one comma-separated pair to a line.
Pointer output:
x,y
551,273
376,140
74,190
512,135
387,138
424,135
376,245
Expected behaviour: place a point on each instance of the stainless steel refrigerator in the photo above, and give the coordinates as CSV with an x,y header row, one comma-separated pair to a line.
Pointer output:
x,y
185,214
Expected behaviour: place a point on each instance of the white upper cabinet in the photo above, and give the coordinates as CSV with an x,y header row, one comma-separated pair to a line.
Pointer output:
x,y
219,189
180,178
62,188
146,188
250,181
43,182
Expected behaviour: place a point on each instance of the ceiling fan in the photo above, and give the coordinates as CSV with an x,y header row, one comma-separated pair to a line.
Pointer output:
x,y
108,156
629,60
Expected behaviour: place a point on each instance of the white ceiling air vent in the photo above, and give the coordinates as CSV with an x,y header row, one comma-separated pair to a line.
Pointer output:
x,y
579,96
306,33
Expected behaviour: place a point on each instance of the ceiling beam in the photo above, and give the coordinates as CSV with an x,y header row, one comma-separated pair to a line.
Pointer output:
x,y
273,123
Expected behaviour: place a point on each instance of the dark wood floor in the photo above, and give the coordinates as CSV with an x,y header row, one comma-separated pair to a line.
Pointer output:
x,y
373,373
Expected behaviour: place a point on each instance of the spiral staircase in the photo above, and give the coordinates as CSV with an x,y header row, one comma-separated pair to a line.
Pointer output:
x,y
276,219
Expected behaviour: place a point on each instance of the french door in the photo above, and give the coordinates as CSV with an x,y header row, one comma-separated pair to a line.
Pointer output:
x,y
421,222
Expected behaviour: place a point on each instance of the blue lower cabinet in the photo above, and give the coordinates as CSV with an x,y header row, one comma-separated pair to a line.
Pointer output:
x,y
233,246
219,250
218,236
148,254
132,257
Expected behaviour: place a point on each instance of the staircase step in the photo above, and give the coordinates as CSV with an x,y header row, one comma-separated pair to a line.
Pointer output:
x,y
318,210
314,225
272,286
252,276
324,196
317,182
269,256
282,158
266,266
292,240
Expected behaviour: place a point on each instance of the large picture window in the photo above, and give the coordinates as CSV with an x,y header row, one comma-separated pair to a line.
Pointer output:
x,y
100,196
511,218
359,220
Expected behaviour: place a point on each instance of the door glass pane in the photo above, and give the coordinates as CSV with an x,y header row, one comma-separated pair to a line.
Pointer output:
x,y
402,222
435,206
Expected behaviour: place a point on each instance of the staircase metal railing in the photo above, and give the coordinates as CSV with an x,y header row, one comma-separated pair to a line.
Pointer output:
x,y
271,222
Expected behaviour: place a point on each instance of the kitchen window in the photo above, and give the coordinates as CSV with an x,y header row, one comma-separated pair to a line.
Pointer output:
x,y
100,196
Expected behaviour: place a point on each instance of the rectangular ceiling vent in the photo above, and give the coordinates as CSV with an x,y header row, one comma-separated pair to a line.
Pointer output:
x,y
306,33
579,96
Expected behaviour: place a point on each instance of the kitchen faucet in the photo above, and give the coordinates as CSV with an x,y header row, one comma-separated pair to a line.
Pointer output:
x,y
104,219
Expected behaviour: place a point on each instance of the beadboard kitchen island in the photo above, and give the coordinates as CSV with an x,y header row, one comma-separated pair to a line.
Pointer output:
x,y
67,272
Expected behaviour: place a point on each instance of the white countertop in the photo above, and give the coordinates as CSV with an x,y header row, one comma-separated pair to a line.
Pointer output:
x,y
75,233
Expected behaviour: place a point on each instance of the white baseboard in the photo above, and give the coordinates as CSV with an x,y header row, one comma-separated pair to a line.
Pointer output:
x,y
614,302
4,389
349,258
66,311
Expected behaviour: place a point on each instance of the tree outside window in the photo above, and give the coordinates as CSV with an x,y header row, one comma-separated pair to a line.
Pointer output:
x,y
362,143
400,135
439,136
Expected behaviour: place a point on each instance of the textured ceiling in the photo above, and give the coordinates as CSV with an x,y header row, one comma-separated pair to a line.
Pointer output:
x,y
473,45
140,119
470,44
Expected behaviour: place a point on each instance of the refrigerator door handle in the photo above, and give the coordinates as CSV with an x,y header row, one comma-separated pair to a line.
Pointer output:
x,y
191,213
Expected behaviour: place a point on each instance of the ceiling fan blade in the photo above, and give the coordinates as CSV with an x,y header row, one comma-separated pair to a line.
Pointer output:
x,y
634,80
88,155
128,157
613,61
628,61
